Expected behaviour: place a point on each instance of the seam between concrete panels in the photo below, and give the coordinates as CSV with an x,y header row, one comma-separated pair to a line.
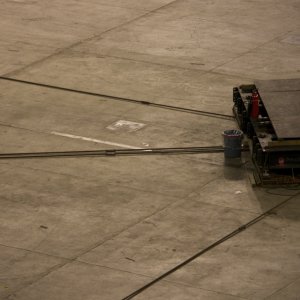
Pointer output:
x,y
60,51
245,53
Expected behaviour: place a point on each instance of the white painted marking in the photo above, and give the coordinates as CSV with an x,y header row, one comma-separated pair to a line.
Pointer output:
x,y
126,126
93,140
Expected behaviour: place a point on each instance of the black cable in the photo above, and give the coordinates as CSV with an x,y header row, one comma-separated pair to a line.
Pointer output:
x,y
116,98
220,241
115,152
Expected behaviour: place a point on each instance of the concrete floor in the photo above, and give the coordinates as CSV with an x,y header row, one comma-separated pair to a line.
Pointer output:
x,y
99,228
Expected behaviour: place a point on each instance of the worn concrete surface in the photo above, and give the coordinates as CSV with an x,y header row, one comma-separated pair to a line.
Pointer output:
x,y
100,228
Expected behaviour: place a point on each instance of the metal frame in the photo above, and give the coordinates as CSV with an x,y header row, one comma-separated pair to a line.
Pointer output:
x,y
276,160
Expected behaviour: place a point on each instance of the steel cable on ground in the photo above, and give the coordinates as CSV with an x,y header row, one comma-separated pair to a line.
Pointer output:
x,y
117,98
210,247
114,152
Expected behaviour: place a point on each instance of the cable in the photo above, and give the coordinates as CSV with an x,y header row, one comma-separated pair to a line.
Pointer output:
x,y
210,247
116,98
115,152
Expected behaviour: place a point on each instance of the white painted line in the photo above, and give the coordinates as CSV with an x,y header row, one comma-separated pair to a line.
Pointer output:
x,y
93,140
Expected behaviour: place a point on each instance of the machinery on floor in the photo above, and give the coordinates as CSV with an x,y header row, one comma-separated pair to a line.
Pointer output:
x,y
268,112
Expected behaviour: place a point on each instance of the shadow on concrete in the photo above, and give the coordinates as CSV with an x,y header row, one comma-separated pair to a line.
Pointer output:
x,y
233,169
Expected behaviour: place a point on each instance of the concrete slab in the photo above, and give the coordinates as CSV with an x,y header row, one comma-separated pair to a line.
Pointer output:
x,y
92,281
252,15
195,35
20,268
65,216
77,281
136,4
238,194
46,111
276,60
254,264
142,173
164,240
291,292
35,30
137,80
181,292
154,210
17,139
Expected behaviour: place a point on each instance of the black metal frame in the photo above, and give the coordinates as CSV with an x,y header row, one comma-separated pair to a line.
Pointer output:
x,y
276,161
